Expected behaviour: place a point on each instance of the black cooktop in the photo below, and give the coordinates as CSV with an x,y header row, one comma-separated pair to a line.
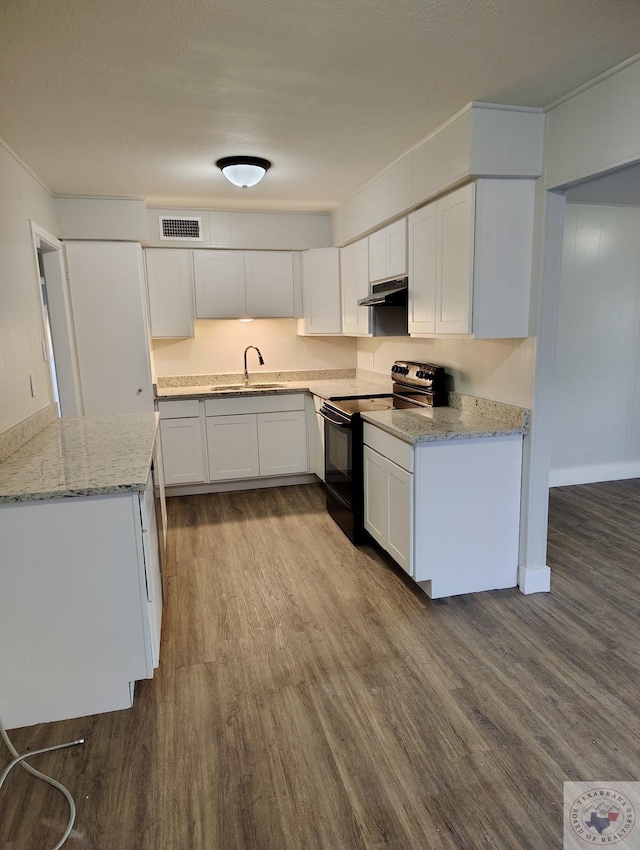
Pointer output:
x,y
362,405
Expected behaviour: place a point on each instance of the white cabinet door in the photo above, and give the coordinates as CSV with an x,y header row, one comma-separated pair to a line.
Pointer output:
x,y
282,443
400,514
388,252
354,283
269,284
388,506
376,518
170,289
321,292
219,283
396,239
232,445
152,572
422,270
378,256
106,283
455,261
182,450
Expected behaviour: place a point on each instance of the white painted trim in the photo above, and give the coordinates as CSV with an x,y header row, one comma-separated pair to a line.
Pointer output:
x,y
548,238
592,474
534,581
241,484
593,82
24,165
62,327
43,234
502,107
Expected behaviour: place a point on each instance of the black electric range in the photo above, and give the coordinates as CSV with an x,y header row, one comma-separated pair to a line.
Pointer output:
x,y
414,385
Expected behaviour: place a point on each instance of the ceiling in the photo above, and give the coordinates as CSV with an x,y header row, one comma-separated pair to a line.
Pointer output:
x,y
107,97
620,187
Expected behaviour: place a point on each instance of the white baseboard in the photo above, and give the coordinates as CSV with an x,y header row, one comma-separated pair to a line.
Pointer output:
x,y
592,474
242,484
535,580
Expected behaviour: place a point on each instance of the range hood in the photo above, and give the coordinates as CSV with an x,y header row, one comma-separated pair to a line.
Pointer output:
x,y
391,293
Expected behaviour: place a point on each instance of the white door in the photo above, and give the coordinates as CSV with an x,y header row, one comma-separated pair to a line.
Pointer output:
x,y
170,287
232,445
399,512
348,289
282,443
182,450
375,496
362,288
106,283
321,291
455,261
378,255
422,270
396,238
219,284
269,284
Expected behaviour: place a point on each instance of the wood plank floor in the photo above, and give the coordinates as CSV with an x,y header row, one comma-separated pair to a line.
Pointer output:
x,y
310,696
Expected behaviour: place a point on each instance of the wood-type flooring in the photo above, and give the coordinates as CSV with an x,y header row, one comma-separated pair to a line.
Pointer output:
x,y
310,697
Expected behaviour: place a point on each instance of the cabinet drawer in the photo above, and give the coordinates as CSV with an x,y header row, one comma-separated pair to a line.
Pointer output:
x,y
178,409
390,447
253,404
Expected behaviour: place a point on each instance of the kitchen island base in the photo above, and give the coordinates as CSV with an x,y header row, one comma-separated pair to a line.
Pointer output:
x,y
80,606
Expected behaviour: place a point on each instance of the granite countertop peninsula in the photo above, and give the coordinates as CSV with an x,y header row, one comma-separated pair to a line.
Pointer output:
x,y
431,424
83,456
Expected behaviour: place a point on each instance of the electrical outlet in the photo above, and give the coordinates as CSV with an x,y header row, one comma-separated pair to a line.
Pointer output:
x,y
371,360
34,388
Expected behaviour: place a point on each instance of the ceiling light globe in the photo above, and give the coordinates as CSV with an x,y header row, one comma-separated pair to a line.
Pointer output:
x,y
243,171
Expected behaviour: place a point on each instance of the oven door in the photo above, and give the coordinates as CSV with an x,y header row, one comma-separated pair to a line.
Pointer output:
x,y
338,454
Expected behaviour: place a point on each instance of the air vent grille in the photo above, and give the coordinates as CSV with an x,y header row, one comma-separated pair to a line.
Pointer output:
x,y
183,229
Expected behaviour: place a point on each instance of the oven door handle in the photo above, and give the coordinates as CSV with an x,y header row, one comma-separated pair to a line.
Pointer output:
x,y
334,421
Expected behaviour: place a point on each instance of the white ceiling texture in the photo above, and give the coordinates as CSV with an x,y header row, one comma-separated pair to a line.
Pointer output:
x,y
138,99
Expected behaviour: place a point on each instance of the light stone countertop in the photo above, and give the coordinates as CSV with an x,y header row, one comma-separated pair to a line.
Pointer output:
x,y
431,424
86,456
336,388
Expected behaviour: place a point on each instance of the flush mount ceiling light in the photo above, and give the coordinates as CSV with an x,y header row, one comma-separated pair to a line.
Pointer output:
x,y
243,171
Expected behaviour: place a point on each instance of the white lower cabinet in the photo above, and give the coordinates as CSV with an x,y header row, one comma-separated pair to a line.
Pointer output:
x,y
388,499
282,443
232,443
76,635
182,450
447,511
231,439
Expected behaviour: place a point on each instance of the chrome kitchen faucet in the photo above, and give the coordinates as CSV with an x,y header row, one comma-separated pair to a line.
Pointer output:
x,y
246,373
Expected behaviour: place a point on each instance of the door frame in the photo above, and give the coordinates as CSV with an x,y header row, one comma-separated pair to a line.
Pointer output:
x,y
60,319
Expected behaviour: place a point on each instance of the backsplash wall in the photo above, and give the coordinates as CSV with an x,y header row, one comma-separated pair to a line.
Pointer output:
x,y
219,344
497,369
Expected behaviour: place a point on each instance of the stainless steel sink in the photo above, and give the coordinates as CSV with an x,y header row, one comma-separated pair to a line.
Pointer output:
x,y
236,387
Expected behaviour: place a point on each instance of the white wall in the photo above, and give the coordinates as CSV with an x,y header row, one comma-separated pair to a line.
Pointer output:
x,y
497,369
22,198
218,346
596,394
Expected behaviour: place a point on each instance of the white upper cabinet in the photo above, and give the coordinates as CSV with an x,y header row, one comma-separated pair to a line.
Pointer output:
x,y
170,289
388,252
454,261
470,261
354,284
269,284
321,312
235,284
422,270
219,279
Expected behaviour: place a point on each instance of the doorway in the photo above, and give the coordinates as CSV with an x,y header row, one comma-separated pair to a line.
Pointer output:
x,y
58,341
